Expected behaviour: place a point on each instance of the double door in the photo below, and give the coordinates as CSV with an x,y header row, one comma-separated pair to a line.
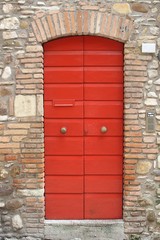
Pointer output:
x,y
83,100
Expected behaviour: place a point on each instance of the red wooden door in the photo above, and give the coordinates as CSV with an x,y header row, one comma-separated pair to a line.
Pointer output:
x,y
83,99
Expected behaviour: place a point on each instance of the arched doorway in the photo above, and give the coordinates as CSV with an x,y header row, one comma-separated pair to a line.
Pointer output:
x,y
83,99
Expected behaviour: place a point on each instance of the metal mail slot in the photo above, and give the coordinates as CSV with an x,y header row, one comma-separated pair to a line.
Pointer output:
x,y
150,121
64,103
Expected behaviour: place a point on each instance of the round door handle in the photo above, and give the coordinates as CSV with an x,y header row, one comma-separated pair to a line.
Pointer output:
x,y
103,129
63,130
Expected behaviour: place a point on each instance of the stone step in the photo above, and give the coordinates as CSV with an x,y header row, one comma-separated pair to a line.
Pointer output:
x,y
84,230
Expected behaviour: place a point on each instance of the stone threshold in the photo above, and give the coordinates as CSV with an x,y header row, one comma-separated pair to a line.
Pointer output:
x,y
84,229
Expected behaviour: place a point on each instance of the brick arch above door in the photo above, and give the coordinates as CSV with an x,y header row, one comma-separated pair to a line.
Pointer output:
x,y
58,24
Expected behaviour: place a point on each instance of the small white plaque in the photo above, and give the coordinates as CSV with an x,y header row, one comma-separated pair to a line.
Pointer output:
x,y
148,47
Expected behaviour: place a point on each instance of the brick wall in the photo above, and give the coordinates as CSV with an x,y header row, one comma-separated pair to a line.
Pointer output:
x,y
24,27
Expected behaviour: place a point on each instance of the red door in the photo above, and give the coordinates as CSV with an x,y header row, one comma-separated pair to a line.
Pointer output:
x,y
83,99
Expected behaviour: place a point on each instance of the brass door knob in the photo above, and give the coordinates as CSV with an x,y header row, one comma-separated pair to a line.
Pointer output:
x,y
63,130
103,129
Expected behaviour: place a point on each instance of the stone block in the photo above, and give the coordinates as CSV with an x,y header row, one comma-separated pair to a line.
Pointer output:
x,y
151,217
154,64
84,230
152,73
152,95
157,82
17,222
10,35
151,102
14,204
122,8
25,106
2,204
9,23
6,73
40,108
5,91
154,30
145,201
143,167
8,8
5,190
31,193
139,7
15,171
3,174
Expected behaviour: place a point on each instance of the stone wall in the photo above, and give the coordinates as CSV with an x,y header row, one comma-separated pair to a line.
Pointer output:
x,y
24,26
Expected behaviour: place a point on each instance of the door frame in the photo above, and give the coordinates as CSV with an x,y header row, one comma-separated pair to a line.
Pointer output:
x,y
121,31
49,84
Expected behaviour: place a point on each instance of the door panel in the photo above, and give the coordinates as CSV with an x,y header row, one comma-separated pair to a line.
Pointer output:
x,y
114,127
103,74
65,44
103,109
101,44
83,121
61,111
61,58
63,75
63,91
64,146
103,58
109,165
53,127
64,165
103,92
64,184
103,184
103,206
64,206
103,145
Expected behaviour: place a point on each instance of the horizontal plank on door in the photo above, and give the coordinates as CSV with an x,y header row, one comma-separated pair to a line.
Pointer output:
x,y
103,184
103,109
64,146
64,206
64,184
103,58
103,145
64,44
105,165
102,44
52,127
61,58
93,127
103,92
103,74
63,91
103,206
52,111
63,75
64,165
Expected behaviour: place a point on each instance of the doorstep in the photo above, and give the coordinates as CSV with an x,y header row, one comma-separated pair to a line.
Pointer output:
x,y
84,229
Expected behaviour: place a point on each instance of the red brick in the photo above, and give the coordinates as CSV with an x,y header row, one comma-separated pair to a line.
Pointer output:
x,y
73,22
41,29
67,22
79,22
10,157
51,25
56,24
62,26
37,32
46,27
